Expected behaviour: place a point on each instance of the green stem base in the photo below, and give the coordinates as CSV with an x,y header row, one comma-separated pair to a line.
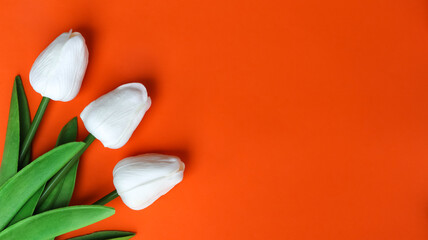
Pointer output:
x,y
107,198
26,144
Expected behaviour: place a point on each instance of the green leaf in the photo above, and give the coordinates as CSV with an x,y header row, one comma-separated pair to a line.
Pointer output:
x,y
67,188
24,118
9,163
25,121
21,187
50,200
28,209
68,132
55,222
61,173
106,235
62,193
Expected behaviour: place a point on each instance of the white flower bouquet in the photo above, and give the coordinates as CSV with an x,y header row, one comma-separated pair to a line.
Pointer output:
x,y
35,195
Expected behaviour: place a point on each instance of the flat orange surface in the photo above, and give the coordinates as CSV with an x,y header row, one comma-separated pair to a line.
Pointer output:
x,y
297,120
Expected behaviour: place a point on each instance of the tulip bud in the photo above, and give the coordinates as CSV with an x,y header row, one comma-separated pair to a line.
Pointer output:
x,y
58,71
141,180
113,117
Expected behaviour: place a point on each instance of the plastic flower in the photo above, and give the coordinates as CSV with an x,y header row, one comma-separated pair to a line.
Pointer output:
x,y
113,117
58,71
141,180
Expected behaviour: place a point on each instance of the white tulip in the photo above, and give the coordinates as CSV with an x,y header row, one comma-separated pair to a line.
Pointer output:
x,y
113,117
58,71
141,180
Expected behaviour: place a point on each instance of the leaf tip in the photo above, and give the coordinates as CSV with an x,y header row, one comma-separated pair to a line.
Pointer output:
x,y
18,78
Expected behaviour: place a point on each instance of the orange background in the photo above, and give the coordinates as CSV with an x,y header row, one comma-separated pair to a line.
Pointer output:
x,y
296,119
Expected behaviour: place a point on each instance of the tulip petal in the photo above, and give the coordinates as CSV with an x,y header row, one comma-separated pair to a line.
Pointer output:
x,y
143,179
138,198
113,117
58,71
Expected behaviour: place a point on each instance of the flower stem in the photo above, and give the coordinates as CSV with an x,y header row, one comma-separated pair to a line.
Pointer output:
x,y
107,198
63,172
26,144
